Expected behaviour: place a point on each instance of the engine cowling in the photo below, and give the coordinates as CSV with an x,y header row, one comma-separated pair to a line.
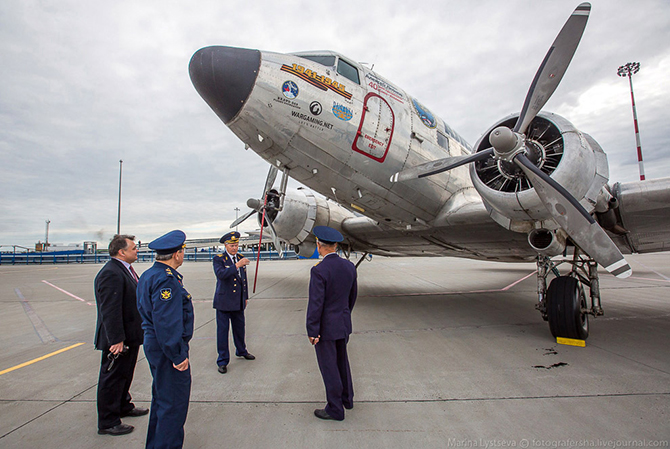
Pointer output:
x,y
570,157
301,212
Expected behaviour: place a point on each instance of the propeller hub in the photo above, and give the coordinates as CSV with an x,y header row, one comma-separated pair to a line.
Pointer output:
x,y
505,142
255,204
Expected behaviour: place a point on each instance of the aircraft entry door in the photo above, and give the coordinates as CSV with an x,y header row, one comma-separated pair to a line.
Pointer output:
x,y
376,128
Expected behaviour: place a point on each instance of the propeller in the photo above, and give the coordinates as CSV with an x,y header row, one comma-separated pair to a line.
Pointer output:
x,y
254,203
268,202
509,145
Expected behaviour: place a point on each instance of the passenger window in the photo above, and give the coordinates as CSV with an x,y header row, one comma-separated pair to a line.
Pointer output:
x,y
348,71
442,140
328,61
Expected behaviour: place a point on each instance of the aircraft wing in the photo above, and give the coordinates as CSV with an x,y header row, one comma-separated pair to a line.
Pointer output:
x,y
644,212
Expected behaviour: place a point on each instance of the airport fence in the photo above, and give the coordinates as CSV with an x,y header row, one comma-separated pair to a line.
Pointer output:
x,y
60,257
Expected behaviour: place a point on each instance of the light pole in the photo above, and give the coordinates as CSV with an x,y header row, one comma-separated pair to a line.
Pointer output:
x,y
118,220
237,211
46,243
629,70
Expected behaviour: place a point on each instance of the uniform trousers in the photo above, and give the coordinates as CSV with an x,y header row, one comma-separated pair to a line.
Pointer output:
x,y
113,387
170,393
224,320
334,366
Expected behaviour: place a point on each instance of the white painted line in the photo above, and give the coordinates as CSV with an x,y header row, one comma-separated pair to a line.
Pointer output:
x,y
67,293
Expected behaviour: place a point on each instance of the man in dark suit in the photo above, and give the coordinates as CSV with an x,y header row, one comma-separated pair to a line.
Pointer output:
x,y
332,294
118,335
230,300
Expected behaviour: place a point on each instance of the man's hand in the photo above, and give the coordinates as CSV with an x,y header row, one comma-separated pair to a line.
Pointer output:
x,y
314,340
182,366
116,349
242,262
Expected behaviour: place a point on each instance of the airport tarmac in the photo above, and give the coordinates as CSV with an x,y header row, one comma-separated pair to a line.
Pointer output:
x,y
445,353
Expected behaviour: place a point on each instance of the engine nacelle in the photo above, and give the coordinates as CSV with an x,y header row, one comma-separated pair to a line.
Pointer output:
x,y
570,157
301,212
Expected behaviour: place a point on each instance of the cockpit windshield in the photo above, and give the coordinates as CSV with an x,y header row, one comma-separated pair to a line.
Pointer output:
x,y
327,60
343,67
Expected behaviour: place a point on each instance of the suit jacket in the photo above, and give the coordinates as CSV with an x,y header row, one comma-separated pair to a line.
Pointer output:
x,y
115,297
332,294
231,287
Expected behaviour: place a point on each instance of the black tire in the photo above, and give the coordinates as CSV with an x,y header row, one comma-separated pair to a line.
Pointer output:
x,y
565,300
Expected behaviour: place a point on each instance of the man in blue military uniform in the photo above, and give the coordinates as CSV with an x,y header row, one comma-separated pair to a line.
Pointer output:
x,y
167,320
332,294
230,300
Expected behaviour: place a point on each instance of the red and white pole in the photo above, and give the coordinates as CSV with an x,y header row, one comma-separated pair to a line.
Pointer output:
x,y
629,70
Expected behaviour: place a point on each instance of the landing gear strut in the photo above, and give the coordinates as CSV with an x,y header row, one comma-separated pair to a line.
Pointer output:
x,y
564,304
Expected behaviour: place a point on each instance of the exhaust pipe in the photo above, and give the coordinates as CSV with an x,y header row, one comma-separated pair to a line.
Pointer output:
x,y
546,242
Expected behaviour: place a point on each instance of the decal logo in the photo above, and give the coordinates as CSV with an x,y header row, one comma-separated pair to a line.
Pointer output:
x,y
313,78
166,294
342,112
385,88
290,90
315,108
313,122
426,116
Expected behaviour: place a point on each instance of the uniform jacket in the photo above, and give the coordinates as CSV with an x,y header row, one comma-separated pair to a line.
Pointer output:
x,y
166,310
332,294
231,287
118,318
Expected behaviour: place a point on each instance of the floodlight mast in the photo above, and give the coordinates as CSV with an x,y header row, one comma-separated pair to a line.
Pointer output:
x,y
629,70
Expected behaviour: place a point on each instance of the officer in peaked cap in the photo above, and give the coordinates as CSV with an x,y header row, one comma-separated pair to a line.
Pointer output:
x,y
167,320
230,300
327,234
332,294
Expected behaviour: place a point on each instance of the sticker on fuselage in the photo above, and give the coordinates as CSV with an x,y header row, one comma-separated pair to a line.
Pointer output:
x,y
342,112
290,90
384,88
316,80
425,115
315,108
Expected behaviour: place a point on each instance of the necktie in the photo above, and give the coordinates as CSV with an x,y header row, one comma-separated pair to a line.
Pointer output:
x,y
132,270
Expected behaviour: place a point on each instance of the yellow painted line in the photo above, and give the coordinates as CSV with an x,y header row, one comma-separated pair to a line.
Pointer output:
x,y
565,341
39,359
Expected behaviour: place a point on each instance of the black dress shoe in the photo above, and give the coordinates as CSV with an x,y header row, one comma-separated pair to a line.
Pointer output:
x,y
249,356
223,369
137,411
120,429
349,407
322,414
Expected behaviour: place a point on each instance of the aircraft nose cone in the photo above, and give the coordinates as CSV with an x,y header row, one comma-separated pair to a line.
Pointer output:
x,y
224,77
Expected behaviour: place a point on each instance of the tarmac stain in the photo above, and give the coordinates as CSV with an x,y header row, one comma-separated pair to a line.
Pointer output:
x,y
555,365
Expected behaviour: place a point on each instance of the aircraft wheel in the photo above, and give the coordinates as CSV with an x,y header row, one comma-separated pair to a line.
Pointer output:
x,y
565,301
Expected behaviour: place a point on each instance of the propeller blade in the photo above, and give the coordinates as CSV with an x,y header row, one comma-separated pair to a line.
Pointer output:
x,y
242,218
439,166
275,238
553,67
577,222
270,180
260,241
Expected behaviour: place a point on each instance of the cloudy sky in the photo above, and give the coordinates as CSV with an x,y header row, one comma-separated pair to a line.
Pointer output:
x,y
88,83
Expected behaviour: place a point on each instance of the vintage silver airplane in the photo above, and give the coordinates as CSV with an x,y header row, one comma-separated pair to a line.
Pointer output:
x,y
395,180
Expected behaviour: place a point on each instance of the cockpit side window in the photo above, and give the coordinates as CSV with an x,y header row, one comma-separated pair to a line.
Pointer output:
x,y
348,71
327,60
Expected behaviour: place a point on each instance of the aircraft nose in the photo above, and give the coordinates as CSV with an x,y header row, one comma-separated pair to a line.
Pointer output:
x,y
224,77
